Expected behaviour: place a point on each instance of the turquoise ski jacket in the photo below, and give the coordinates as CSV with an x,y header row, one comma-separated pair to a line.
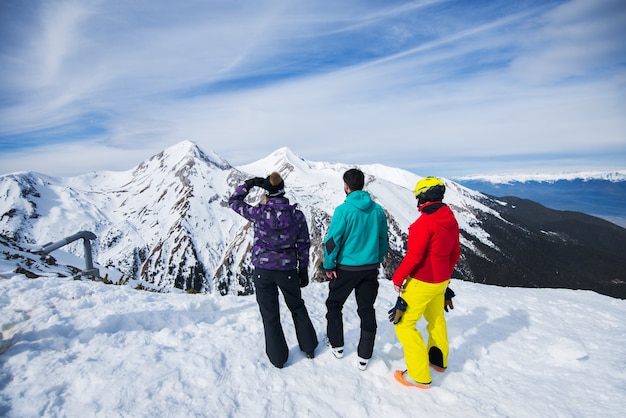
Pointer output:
x,y
358,234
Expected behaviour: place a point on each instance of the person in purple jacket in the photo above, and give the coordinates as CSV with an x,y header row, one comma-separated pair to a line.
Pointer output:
x,y
280,255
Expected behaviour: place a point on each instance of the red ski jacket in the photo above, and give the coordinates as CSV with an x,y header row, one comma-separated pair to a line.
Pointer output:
x,y
433,246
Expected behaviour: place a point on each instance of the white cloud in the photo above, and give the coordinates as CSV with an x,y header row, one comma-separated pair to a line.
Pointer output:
x,y
332,81
573,40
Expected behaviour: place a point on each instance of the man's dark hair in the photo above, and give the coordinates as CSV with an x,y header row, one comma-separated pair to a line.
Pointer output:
x,y
354,178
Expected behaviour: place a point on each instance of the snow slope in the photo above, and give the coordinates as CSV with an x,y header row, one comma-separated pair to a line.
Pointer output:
x,y
85,349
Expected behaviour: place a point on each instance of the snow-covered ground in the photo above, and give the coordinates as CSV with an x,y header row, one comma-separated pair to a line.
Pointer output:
x,y
74,348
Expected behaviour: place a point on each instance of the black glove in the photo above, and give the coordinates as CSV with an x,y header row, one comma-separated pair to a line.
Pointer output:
x,y
395,313
271,189
255,181
303,275
448,299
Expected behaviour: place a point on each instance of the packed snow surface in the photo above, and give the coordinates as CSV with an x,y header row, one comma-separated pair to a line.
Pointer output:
x,y
78,348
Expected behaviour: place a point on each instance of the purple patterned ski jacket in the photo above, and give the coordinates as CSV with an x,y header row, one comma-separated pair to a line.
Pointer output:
x,y
281,234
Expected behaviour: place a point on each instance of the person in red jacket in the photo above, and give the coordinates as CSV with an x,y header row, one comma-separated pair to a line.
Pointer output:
x,y
421,279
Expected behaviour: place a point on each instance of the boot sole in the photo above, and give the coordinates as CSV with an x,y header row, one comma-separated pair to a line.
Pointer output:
x,y
399,376
437,368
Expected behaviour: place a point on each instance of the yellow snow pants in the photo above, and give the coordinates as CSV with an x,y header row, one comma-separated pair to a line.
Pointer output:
x,y
425,299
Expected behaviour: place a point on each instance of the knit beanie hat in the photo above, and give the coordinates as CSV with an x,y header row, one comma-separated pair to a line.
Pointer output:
x,y
274,185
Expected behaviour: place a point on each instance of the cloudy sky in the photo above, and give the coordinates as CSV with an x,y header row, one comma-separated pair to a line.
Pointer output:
x,y
438,87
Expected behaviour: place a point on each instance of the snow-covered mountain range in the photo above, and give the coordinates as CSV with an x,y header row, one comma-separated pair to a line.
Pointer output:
x,y
165,224
601,194
612,176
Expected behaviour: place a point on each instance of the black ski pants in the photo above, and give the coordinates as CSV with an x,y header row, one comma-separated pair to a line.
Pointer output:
x,y
267,283
365,286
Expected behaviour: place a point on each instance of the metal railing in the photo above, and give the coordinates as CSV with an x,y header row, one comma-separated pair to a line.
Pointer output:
x,y
87,237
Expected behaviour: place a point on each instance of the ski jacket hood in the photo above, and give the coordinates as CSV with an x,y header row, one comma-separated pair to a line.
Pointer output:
x,y
443,215
360,200
433,246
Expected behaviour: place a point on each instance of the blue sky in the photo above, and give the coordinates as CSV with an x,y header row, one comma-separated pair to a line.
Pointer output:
x,y
445,88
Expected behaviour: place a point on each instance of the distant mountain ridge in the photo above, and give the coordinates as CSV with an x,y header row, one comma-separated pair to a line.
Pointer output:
x,y
601,194
612,176
166,225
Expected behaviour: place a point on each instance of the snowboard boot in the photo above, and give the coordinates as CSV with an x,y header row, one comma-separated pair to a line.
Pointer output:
x,y
337,351
403,378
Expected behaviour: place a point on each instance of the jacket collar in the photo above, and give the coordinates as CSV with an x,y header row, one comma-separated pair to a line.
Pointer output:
x,y
431,207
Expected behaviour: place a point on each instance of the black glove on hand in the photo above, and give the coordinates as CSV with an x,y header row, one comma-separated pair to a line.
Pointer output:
x,y
395,313
255,181
303,275
272,189
448,299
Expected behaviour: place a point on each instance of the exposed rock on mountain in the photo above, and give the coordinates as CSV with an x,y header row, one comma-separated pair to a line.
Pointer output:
x,y
166,224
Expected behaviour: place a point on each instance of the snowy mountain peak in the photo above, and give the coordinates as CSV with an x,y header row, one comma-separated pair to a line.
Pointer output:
x,y
285,154
188,151
283,160
167,223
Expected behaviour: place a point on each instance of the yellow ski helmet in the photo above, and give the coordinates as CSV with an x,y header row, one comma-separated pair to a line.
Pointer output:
x,y
429,189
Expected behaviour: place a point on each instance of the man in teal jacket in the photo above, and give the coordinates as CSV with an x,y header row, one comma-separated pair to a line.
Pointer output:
x,y
354,247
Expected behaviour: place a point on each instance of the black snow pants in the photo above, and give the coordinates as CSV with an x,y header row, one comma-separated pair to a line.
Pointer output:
x,y
267,283
365,286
